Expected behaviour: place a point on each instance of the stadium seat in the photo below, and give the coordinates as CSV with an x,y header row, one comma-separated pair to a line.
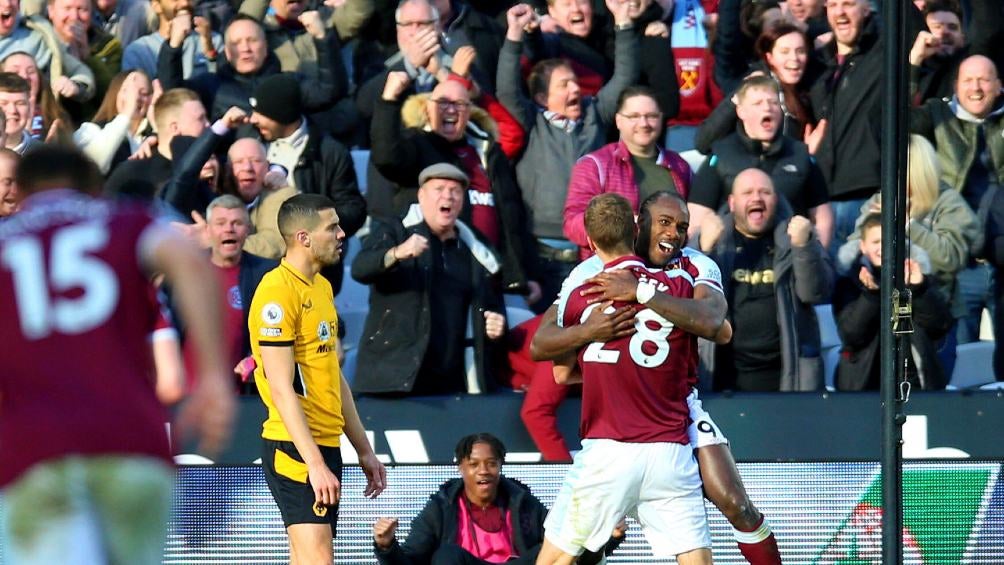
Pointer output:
x,y
349,369
361,160
828,336
515,316
831,359
973,365
352,304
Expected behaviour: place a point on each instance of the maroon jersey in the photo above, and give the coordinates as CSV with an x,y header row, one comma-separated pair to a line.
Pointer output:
x,y
635,388
77,313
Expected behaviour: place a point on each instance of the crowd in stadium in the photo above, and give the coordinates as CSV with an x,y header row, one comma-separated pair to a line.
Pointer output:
x,y
764,115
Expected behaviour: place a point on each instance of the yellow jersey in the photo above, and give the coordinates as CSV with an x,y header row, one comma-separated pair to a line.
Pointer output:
x,y
290,310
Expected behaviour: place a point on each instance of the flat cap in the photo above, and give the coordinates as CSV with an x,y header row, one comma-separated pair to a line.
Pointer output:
x,y
443,171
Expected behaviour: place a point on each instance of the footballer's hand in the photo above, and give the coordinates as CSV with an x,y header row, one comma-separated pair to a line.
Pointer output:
x,y
619,285
376,476
605,323
327,488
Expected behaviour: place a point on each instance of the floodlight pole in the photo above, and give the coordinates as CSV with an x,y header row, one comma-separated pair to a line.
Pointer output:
x,y
892,284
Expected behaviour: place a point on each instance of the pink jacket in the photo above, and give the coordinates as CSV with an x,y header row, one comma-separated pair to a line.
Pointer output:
x,y
608,169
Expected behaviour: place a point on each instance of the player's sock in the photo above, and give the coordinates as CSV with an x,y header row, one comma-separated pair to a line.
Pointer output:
x,y
759,546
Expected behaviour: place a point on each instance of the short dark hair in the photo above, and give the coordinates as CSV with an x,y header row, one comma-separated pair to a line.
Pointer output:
x,y
302,211
636,90
58,166
466,445
871,220
540,76
610,222
645,219
932,6
768,37
12,82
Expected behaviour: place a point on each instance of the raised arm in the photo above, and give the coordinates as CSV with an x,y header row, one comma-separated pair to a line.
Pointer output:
x,y
626,66
509,80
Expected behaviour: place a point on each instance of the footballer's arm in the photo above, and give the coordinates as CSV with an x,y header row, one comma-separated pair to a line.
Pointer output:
x,y
551,342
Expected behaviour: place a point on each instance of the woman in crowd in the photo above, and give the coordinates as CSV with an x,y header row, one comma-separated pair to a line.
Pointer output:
x,y
116,131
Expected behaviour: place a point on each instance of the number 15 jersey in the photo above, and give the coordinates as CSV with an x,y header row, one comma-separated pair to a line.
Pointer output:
x,y
635,388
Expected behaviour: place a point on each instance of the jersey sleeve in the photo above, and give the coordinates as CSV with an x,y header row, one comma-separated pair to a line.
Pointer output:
x,y
579,275
272,318
708,272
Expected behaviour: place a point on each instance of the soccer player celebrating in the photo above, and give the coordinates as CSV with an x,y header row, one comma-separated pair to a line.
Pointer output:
x,y
292,326
662,235
636,457
87,471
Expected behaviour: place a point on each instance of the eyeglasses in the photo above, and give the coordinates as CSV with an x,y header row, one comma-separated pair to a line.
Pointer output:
x,y
444,104
418,23
656,117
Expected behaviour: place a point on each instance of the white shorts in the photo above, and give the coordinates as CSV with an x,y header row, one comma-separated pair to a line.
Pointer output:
x,y
658,484
702,430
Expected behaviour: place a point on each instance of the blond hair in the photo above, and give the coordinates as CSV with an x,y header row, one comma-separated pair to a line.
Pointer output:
x,y
923,174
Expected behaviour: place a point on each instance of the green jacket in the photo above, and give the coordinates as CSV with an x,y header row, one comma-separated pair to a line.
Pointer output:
x,y
953,131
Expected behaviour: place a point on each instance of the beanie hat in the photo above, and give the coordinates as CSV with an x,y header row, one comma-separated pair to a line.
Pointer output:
x,y
278,98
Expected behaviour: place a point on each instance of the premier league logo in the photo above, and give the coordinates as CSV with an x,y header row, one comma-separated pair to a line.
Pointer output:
x,y
271,313
323,331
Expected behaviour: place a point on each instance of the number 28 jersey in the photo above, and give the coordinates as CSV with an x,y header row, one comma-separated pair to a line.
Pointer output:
x,y
78,311
635,388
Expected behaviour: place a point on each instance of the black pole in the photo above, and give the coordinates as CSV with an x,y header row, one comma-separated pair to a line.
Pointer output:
x,y
894,162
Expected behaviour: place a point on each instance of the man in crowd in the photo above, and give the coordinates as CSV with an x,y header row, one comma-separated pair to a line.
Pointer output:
x,y
15,104
434,284
635,167
176,21
848,95
98,49
562,125
177,112
69,438
315,163
292,326
779,271
968,132
248,63
249,172
760,142
493,204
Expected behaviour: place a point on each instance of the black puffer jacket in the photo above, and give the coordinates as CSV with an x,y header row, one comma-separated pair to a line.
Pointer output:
x,y
436,525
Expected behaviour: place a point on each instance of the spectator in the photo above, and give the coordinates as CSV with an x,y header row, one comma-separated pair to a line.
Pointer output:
x,y
420,53
783,51
938,50
848,95
128,20
810,14
968,132
759,142
98,49
9,197
482,505
635,167
280,18
118,128
245,178
779,270
46,111
199,50
561,125
994,252
248,64
15,105
227,228
69,77
739,25
441,130
308,42
176,112
314,161
464,26
856,306
431,279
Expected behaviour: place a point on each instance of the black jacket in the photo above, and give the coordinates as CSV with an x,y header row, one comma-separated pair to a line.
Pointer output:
x,y
399,155
857,313
786,160
851,103
399,322
325,167
436,525
226,87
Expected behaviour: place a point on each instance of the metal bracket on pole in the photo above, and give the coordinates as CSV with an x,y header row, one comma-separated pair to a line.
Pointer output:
x,y
902,312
